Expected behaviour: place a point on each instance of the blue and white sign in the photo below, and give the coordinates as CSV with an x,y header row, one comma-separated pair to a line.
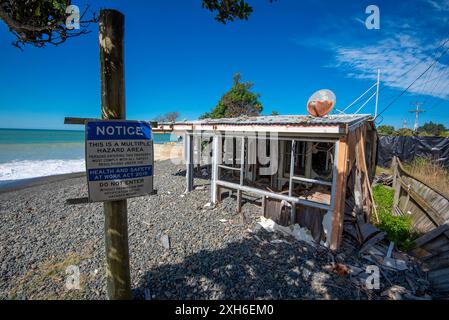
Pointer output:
x,y
119,159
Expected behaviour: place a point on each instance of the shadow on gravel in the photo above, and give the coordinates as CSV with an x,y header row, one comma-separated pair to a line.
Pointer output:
x,y
261,266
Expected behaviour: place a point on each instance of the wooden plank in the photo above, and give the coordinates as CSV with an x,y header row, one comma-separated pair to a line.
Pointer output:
x,y
340,194
427,209
436,242
431,235
438,274
371,242
435,253
74,120
441,261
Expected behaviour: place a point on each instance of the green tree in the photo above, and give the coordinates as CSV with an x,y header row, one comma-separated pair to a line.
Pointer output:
x,y
168,117
385,130
41,22
404,132
229,10
238,101
274,113
433,129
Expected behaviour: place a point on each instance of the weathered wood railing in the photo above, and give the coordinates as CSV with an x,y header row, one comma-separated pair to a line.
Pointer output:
x,y
429,208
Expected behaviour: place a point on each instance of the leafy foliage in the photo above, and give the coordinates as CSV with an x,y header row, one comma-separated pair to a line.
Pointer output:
x,y
274,113
39,22
398,228
385,130
433,129
168,117
428,129
236,102
229,10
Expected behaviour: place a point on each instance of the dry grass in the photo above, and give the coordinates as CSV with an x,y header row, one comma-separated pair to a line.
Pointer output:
x,y
35,284
430,173
380,170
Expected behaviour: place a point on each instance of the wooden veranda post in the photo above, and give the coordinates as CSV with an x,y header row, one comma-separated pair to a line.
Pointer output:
x,y
340,194
189,139
112,27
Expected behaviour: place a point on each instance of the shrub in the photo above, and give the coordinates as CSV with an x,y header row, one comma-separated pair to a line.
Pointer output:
x,y
398,228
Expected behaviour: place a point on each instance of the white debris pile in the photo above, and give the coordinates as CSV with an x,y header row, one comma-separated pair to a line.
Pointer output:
x,y
295,231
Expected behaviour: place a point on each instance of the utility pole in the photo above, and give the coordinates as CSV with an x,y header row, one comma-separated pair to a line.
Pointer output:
x,y
112,29
417,112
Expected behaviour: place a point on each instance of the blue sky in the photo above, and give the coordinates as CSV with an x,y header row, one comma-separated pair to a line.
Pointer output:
x,y
178,58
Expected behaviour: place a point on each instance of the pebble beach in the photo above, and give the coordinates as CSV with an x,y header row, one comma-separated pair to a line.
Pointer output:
x,y
210,253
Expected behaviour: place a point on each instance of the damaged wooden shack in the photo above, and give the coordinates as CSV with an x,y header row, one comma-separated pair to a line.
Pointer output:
x,y
299,168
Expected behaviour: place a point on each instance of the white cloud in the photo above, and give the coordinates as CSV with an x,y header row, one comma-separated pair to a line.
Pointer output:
x,y
394,57
442,5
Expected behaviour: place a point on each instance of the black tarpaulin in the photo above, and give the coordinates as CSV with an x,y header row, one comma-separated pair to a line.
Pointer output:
x,y
408,148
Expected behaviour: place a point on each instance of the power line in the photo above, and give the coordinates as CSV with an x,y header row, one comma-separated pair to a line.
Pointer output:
x,y
443,43
419,77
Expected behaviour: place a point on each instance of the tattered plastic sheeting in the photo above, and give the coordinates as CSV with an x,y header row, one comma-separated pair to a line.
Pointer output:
x,y
408,148
295,231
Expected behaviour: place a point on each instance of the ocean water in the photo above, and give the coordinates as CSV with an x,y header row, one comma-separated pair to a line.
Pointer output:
x,y
26,154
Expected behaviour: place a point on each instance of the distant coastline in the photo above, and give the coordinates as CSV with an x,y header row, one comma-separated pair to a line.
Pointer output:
x,y
32,153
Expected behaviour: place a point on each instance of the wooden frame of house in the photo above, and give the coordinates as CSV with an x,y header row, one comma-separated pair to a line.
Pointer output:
x,y
315,157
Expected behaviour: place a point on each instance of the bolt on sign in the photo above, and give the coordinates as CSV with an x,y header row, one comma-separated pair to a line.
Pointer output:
x,y
119,159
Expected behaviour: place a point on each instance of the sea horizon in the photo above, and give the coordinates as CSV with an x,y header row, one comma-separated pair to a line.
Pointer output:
x,y
33,153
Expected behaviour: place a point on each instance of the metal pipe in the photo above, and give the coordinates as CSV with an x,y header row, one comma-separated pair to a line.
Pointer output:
x,y
228,167
326,183
273,195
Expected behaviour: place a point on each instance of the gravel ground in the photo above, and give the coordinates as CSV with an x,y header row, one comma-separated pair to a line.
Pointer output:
x,y
209,258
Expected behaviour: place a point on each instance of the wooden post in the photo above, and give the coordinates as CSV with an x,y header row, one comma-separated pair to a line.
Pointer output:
x,y
290,185
396,185
242,172
112,28
216,155
189,161
198,153
340,194
309,153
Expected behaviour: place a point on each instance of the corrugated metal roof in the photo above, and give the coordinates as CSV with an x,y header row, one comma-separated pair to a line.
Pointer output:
x,y
299,120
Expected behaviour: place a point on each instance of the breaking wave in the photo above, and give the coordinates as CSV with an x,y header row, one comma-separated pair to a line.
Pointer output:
x,y
26,169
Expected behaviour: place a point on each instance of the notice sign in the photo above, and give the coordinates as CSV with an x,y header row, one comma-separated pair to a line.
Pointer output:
x,y
119,159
